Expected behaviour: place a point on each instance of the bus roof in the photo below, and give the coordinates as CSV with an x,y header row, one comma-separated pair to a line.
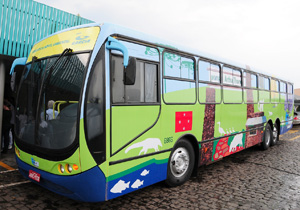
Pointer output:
x,y
108,29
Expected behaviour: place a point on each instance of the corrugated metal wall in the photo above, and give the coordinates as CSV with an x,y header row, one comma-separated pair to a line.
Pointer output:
x,y
24,22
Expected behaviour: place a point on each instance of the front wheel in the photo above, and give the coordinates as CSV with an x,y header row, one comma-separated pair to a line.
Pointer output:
x,y
181,163
267,137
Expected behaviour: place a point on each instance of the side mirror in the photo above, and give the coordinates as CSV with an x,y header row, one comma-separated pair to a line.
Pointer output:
x,y
114,44
17,61
13,73
130,72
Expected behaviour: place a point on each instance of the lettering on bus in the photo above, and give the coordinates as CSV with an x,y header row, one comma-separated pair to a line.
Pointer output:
x,y
168,140
229,79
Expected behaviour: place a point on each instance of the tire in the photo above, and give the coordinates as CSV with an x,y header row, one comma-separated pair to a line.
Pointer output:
x,y
275,135
181,163
267,137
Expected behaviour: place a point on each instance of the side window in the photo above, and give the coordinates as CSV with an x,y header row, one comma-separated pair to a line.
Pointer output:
x,y
283,92
264,90
250,87
178,66
290,95
209,72
274,91
151,83
267,83
283,87
179,84
250,80
264,83
274,85
290,89
209,82
232,86
145,88
231,77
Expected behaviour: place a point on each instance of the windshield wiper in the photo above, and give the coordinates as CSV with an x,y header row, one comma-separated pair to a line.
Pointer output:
x,y
65,52
44,84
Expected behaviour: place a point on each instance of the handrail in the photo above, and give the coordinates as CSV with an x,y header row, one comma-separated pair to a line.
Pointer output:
x,y
60,103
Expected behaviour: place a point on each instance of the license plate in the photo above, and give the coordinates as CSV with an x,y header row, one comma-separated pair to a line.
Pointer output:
x,y
34,175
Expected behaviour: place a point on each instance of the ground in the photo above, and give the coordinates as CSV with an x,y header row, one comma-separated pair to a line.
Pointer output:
x,y
251,179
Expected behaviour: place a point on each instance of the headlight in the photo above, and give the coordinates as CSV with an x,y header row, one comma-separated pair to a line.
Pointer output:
x,y
68,168
61,168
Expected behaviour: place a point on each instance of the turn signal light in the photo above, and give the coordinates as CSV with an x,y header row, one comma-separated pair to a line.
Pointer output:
x,y
17,152
75,167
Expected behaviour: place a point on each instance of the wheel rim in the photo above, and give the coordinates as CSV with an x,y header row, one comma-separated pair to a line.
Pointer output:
x,y
179,162
267,137
275,134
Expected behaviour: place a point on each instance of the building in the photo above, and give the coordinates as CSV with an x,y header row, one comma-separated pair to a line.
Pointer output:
x,y
23,23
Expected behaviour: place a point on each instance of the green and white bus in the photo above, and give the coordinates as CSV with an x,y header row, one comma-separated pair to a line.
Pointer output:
x,y
128,110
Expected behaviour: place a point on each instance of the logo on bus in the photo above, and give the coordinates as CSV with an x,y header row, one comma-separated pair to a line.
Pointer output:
x,y
81,39
35,163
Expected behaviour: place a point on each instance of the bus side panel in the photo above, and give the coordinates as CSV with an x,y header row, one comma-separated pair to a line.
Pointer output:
x,y
137,177
287,118
233,122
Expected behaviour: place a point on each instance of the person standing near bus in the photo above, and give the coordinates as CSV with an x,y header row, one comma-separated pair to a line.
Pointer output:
x,y
6,126
12,123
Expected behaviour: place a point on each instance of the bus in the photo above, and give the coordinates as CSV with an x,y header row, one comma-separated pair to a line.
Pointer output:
x,y
103,110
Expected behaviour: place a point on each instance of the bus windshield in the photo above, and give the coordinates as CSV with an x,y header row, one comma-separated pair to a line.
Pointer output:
x,y
48,101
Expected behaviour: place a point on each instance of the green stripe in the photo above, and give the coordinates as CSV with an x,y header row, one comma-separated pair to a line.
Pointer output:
x,y
135,168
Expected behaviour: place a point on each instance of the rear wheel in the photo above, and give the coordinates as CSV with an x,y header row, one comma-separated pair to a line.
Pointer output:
x,y
275,136
267,137
181,163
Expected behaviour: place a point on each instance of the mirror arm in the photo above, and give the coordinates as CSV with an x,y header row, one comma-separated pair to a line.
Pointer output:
x,y
114,44
17,61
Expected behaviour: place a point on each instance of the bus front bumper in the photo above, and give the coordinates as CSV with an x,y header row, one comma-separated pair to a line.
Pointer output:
x,y
88,186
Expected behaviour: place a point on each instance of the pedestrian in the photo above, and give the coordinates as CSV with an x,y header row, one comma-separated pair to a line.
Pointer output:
x,y
6,126
12,123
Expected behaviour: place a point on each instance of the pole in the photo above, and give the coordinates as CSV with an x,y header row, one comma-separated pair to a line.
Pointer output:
x,y
2,85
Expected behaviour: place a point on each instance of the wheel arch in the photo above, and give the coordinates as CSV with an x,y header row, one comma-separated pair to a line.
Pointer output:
x,y
195,144
277,122
271,124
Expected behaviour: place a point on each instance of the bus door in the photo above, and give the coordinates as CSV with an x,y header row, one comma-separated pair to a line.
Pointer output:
x,y
134,96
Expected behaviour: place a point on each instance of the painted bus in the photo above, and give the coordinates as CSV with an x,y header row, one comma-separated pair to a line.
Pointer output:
x,y
103,110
